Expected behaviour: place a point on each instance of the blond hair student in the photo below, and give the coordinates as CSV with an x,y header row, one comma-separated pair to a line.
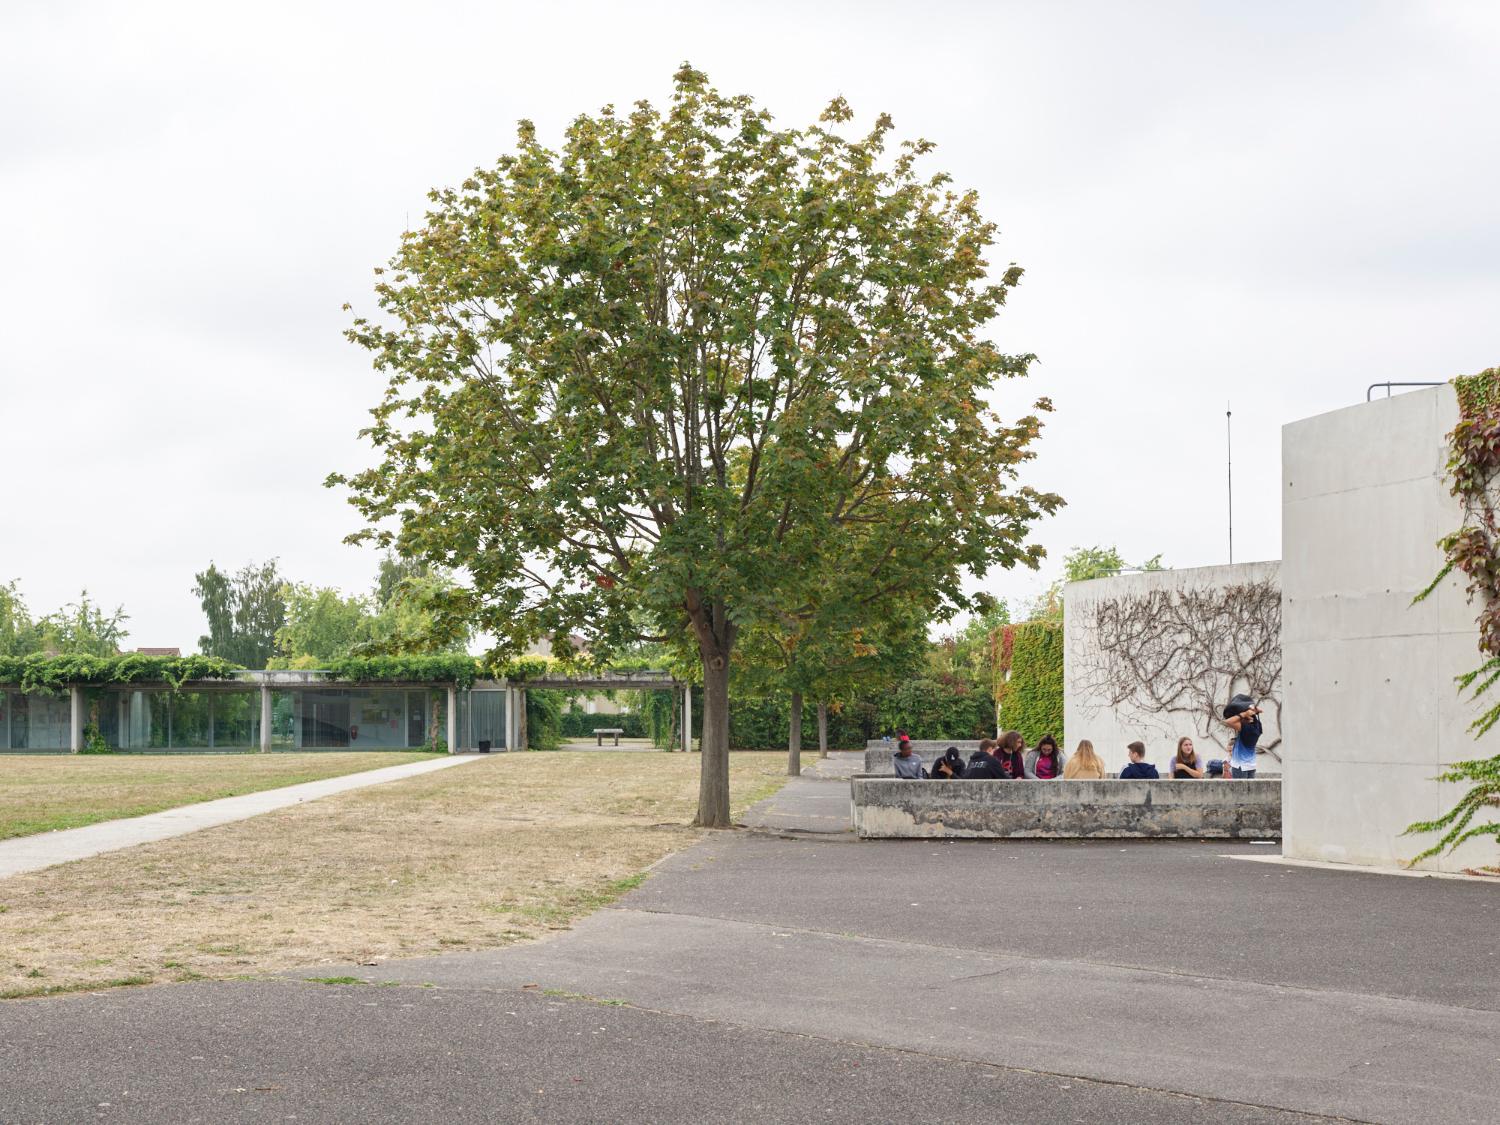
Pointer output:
x,y
1084,765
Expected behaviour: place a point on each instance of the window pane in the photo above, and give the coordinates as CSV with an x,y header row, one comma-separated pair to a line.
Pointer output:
x,y
191,720
377,720
236,720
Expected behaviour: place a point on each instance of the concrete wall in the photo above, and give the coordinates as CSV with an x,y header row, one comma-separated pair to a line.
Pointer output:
x,y
1184,633
1371,708
888,807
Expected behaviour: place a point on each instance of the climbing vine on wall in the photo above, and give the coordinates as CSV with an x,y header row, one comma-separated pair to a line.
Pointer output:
x,y
52,674
1474,551
1179,654
1032,698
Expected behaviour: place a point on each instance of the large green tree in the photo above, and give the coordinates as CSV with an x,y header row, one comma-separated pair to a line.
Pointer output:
x,y
244,611
656,373
321,624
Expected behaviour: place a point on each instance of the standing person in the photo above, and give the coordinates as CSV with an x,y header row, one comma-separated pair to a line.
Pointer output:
x,y
1185,763
907,764
1011,754
1139,769
1084,765
1243,717
1046,762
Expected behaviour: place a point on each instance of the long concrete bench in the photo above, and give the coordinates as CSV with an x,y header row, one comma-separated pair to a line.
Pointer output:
x,y
889,807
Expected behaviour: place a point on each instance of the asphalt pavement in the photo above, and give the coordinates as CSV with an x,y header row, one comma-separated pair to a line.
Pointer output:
x,y
792,974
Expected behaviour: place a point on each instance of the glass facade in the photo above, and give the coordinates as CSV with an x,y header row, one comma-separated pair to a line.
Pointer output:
x,y
315,717
35,722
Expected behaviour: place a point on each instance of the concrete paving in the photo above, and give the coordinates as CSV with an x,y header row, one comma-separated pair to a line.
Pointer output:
x,y
47,849
804,804
789,974
255,1052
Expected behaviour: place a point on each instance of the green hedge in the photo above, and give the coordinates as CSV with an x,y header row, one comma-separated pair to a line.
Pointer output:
x,y
580,724
926,708
1033,698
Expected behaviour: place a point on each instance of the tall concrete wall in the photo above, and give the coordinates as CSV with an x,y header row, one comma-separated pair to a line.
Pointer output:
x,y
1155,656
1371,711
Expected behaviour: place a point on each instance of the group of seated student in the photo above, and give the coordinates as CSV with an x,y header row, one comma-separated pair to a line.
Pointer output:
x,y
1007,758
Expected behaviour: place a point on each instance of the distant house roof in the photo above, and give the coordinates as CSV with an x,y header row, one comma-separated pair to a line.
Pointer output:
x,y
159,651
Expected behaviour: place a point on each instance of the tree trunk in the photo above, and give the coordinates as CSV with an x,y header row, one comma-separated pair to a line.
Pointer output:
x,y
715,635
794,738
822,730
713,746
522,735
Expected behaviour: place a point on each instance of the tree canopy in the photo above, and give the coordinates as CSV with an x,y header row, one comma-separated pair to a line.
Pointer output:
x,y
81,628
672,370
244,612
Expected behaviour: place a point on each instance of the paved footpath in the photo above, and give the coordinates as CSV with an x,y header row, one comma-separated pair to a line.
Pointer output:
x,y
791,976
47,849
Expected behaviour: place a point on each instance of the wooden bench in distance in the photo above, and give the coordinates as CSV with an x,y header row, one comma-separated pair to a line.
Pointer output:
x,y
600,732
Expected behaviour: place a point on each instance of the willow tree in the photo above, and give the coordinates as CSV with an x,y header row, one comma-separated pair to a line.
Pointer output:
x,y
651,374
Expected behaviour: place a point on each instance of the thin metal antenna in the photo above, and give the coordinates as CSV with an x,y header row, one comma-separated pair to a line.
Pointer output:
x,y
1229,457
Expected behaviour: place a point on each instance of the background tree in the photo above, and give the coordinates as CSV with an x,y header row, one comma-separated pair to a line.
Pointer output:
x,y
83,628
829,653
413,612
321,625
244,611
19,635
654,373
1083,564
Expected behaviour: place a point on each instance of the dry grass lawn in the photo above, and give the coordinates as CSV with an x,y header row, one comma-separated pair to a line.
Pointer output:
x,y
488,853
44,792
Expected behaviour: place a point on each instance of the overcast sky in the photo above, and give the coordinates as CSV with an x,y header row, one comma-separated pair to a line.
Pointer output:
x,y
1267,204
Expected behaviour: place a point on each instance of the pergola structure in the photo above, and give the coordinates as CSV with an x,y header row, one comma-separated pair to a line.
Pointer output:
x,y
653,680
295,710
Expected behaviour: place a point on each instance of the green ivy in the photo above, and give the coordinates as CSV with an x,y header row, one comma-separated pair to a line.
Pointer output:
x,y
93,741
439,668
53,674
1032,699
519,669
1473,550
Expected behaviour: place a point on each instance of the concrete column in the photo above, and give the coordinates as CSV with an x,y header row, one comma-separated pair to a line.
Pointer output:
x,y
687,719
453,720
75,699
265,718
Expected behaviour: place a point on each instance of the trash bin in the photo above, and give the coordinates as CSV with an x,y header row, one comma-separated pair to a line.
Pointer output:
x,y
484,745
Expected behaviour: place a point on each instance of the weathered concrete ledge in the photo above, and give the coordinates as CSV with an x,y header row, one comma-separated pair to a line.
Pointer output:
x,y
888,807
878,754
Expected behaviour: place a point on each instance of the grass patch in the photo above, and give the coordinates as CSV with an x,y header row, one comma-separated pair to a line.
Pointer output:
x,y
334,980
497,851
566,995
43,794
21,992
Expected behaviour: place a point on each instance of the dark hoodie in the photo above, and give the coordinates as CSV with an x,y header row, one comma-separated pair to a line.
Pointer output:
x,y
983,764
953,760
